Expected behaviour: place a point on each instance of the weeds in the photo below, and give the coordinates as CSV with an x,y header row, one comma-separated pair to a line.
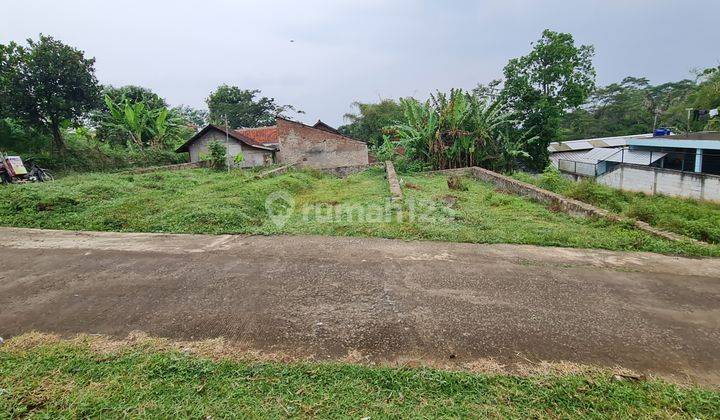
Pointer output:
x,y
693,218
73,380
220,202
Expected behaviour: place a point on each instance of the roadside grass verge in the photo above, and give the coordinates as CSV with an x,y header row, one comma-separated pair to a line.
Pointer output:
x,y
72,379
693,218
217,202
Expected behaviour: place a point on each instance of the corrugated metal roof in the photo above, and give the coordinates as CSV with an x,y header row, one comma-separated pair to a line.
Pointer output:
x,y
587,144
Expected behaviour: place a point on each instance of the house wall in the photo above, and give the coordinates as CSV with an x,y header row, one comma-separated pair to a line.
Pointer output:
x,y
651,180
253,157
316,148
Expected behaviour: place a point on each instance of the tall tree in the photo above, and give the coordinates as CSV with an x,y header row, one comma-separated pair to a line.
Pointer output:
x,y
368,122
243,108
47,84
555,76
193,116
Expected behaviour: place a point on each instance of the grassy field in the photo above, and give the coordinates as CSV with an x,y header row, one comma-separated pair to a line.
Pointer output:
x,y
205,201
73,379
693,218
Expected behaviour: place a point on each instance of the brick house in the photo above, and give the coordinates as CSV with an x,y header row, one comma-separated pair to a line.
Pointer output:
x,y
317,146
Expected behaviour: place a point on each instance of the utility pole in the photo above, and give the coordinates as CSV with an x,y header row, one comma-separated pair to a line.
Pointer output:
x,y
227,143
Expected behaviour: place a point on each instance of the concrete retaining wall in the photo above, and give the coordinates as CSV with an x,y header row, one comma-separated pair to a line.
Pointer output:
x,y
651,180
560,202
393,181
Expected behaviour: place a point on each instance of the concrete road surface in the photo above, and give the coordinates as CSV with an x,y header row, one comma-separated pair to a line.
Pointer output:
x,y
386,299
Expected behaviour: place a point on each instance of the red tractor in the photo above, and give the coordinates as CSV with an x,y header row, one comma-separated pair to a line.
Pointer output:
x,y
12,170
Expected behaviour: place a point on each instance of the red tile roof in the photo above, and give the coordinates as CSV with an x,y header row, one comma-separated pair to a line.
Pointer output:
x,y
262,135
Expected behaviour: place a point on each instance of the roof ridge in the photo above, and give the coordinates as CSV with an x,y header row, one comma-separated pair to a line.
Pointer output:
x,y
256,128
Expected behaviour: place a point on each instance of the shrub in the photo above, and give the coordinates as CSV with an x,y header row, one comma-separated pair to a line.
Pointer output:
x,y
218,154
591,192
642,211
84,153
454,182
553,180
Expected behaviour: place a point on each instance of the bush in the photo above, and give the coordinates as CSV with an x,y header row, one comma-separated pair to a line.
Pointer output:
x,y
454,182
553,180
103,157
591,192
642,211
86,154
89,155
218,154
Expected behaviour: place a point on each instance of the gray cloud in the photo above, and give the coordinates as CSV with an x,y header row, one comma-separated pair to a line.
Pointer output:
x,y
359,49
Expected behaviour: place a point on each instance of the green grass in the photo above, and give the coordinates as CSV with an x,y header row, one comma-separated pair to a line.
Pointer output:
x,y
206,201
72,380
692,218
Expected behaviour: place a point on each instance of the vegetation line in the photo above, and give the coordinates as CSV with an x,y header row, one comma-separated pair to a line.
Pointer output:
x,y
50,378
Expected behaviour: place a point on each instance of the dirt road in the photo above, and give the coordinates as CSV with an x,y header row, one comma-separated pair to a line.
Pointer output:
x,y
386,299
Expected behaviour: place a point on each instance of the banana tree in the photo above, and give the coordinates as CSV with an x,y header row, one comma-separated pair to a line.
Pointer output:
x,y
145,126
456,130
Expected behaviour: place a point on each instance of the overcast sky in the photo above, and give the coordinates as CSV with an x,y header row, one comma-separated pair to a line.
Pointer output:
x,y
344,51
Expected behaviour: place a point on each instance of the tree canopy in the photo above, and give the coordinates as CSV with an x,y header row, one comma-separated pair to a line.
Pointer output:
x,y
243,107
635,106
135,94
47,84
368,122
541,86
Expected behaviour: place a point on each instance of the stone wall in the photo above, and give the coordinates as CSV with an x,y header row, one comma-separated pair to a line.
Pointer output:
x,y
651,180
316,148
